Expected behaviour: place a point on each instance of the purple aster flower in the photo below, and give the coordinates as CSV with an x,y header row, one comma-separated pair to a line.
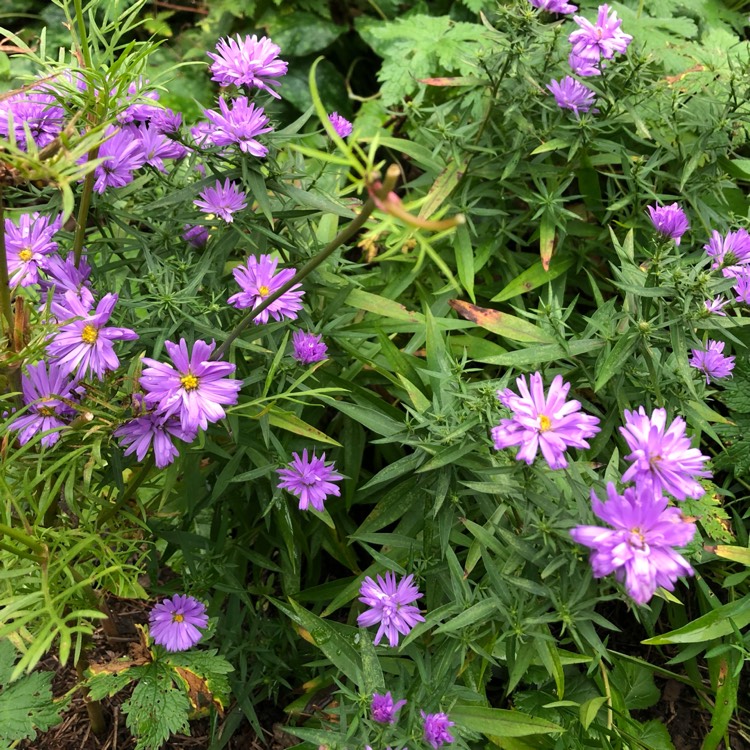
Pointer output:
x,y
669,220
139,434
123,154
29,245
64,276
139,107
249,62
391,605
196,390
716,305
44,388
572,94
308,347
311,480
196,235
585,66
732,250
602,39
640,546
167,121
341,125
549,423
661,456
712,361
201,134
156,146
554,6
384,709
241,124
84,345
174,622
436,729
258,279
222,200
35,110
741,288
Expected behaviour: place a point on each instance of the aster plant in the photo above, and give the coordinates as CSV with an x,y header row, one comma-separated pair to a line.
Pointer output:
x,y
250,62
310,479
669,221
712,361
223,200
174,622
572,94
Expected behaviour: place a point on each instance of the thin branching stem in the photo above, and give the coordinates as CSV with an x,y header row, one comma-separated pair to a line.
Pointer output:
x,y
389,183
6,312
22,538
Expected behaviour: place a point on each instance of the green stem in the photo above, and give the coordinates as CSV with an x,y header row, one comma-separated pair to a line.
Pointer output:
x,y
84,41
20,553
83,210
135,482
343,236
22,538
6,310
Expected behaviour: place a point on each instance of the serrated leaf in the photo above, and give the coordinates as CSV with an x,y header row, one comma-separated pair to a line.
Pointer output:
x,y
157,709
27,706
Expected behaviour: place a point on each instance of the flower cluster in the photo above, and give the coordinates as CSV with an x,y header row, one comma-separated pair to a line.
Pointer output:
x,y
640,547
592,45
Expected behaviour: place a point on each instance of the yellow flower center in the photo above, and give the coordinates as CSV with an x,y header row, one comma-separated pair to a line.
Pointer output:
x,y
46,411
545,423
25,255
89,334
263,291
189,382
177,618
636,538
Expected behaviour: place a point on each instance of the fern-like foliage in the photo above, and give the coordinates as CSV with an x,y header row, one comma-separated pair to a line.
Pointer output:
x,y
26,705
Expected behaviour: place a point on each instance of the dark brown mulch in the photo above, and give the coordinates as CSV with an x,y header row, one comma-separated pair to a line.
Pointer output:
x,y
74,733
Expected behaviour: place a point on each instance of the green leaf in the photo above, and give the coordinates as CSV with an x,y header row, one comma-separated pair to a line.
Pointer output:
x,y
157,709
303,33
587,711
534,277
499,722
509,326
715,624
480,611
616,359
545,353
286,420
635,684
26,705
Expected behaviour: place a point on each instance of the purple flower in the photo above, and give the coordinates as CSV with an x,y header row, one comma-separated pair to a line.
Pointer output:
x,y
311,480
44,386
166,121
741,288
554,6
84,345
308,347
240,124
712,361
436,729
716,305
122,154
156,146
174,622
196,235
195,391
29,245
662,459
391,605
384,709
137,102
732,250
258,279
139,434
584,66
549,423
64,276
249,61
222,200
602,39
669,220
36,110
341,125
572,94
640,547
